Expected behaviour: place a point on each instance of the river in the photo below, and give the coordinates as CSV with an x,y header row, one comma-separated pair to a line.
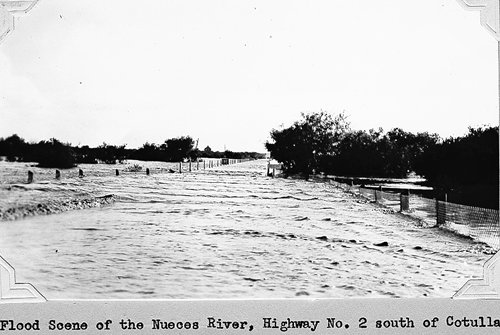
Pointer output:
x,y
226,232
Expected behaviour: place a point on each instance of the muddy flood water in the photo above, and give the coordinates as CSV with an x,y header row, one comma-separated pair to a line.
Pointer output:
x,y
226,232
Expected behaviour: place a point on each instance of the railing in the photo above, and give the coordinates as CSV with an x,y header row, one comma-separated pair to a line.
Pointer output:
x,y
481,224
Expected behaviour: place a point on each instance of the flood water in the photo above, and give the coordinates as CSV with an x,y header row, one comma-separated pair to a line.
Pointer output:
x,y
226,232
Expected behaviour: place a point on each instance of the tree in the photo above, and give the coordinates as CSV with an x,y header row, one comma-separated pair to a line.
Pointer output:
x,y
109,154
85,154
466,168
357,154
305,146
14,147
150,152
178,149
54,154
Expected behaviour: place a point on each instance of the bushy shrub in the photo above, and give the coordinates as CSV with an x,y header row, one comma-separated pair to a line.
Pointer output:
x,y
53,154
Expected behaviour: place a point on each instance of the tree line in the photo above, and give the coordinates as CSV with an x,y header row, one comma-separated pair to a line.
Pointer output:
x,y
55,154
465,167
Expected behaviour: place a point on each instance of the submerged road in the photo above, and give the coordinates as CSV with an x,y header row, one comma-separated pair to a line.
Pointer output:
x,y
231,232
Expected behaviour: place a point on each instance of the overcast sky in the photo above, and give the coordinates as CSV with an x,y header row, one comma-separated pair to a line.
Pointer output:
x,y
227,72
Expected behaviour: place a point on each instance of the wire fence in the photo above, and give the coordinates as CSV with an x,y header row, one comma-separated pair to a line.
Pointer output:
x,y
15,172
481,224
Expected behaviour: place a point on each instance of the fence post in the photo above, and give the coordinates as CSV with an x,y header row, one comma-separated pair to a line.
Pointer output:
x,y
189,166
180,167
80,173
378,194
197,165
404,201
117,172
58,174
147,171
267,174
30,177
440,213
204,164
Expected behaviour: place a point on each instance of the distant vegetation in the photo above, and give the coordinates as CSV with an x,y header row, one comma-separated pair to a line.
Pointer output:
x,y
466,168
55,154
50,153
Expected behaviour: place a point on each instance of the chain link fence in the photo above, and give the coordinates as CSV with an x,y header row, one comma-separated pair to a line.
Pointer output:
x,y
481,224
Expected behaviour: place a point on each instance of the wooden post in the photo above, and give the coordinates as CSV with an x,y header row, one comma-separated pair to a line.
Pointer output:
x,y
441,211
80,173
147,171
404,201
204,165
438,214
189,166
180,167
58,174
378,195
30,177
117,172
267,169
197,165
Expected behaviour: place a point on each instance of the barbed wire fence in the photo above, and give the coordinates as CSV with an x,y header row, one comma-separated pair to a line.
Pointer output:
x,y
480,224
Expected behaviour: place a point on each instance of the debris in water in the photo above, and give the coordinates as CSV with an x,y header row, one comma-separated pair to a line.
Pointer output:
x,y
252,279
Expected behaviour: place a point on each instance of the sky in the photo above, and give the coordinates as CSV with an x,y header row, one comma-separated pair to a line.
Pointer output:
x,y
227,72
